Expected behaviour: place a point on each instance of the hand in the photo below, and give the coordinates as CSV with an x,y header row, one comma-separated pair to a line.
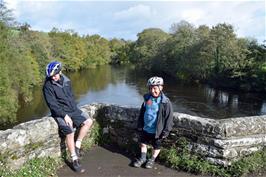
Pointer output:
x,y
68,120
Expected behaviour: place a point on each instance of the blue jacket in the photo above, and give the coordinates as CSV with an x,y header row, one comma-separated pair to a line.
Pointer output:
x,y
59,98
164,116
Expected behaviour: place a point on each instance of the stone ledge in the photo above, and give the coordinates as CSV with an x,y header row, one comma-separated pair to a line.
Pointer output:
x,y
220,141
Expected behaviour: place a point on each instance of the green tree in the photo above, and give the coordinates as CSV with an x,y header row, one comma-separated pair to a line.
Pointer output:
x,y
6,16
98,51
68,48
177,50
120,51
256,72
147,47
8,98
228,52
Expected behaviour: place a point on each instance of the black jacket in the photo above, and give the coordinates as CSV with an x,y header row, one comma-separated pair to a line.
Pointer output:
x,y
164,116
59,98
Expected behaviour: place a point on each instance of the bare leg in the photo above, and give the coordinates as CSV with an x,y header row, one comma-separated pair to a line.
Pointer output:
x,y
155,153
84,129
142,159
70,143
143,148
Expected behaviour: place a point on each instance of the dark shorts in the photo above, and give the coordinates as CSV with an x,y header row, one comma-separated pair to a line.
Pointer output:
x,y
77,118
149,138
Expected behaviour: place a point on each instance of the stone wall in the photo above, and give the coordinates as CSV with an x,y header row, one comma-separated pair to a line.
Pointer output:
x,y
37,138
220,141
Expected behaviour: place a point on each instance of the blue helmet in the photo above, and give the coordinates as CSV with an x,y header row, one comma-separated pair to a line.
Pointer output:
x,y
53,68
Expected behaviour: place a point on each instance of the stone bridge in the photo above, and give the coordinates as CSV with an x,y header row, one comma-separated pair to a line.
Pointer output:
x,y
218,141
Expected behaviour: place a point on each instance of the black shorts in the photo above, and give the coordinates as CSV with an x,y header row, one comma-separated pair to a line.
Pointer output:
x,y
77,117
149,138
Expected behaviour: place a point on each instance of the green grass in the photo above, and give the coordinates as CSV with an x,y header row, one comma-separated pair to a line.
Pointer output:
x,y
178,157
38,167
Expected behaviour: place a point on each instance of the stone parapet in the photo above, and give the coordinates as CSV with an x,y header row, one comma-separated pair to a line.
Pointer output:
x,y
37,138
219,141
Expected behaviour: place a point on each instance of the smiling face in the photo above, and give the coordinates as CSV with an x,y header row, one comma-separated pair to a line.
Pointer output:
x,y
155,90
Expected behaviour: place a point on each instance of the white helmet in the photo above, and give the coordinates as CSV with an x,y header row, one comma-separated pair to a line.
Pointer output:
x,y
155,81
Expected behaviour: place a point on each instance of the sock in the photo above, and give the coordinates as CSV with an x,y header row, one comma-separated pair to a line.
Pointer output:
x,y
74,156
78,143
143,155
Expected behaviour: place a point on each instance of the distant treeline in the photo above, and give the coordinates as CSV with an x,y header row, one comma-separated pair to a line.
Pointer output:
x,y
214,55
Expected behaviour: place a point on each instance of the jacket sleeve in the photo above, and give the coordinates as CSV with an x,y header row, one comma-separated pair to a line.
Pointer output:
x,y
168,119
52,103
141,117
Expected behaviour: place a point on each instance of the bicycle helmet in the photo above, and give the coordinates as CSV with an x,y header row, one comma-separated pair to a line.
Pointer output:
x,y
155,81
53,68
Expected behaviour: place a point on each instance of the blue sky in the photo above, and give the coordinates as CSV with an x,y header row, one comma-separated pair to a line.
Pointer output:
x,y
125,19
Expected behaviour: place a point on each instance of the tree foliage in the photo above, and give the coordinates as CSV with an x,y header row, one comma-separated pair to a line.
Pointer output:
x,y
206,54
24,54
203,54
147,46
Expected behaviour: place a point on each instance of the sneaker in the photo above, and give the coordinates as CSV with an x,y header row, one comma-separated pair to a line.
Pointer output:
x,y
77,167
139,162
149,164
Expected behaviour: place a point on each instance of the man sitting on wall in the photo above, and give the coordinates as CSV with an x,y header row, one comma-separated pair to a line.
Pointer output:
x,y
60,99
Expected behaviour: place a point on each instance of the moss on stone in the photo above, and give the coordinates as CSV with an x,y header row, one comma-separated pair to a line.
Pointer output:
x,y
32,146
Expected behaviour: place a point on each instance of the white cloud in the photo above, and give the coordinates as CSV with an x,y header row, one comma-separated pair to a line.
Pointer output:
x,y
111,18
136,12
193,15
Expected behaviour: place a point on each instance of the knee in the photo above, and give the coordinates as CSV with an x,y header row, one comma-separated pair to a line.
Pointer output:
x,y
88,122
143,145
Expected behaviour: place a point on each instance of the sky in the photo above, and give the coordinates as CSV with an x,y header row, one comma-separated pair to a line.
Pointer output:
x,y
125,19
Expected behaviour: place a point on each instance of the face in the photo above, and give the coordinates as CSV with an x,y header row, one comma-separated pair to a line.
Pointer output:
x,y
155,90
56,77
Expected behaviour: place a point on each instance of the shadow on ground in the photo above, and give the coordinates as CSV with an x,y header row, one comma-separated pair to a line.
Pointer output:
x,y
112,162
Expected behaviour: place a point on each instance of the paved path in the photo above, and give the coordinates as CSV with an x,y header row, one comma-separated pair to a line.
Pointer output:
x,y
110,162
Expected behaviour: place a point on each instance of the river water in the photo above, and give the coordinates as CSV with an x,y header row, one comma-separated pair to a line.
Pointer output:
x,y
123,85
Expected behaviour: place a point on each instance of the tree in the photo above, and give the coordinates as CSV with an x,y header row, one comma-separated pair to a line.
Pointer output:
x,y
24,27
227,51
120,51
147,46
98,51
6,15
177,50
67,47
8,98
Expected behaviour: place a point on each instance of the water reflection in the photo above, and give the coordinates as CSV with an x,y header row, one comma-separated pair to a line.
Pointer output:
x,y
125,86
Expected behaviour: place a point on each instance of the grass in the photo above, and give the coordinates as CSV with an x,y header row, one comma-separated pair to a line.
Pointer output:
x,y
38,167
178,157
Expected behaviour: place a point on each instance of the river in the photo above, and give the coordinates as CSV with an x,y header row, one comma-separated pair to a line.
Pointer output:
x,y
123,85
